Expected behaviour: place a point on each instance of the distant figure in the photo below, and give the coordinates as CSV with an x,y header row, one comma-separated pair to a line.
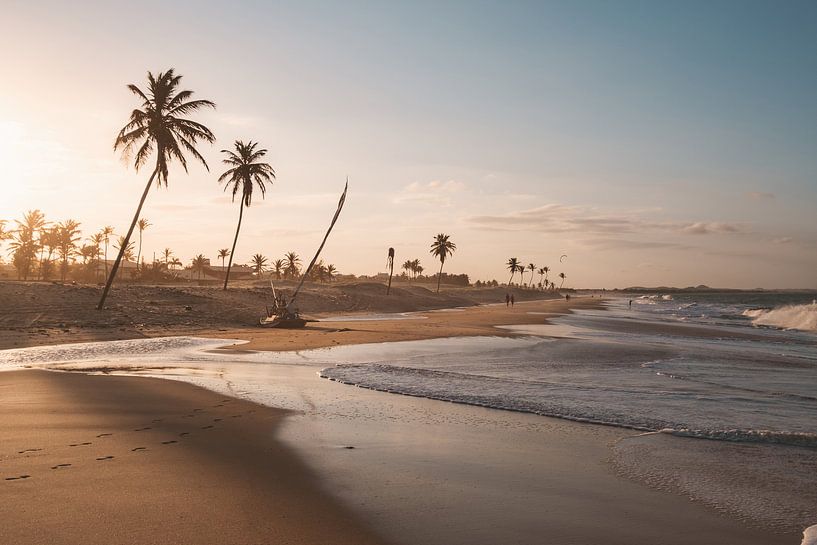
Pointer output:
x,y
631,304
567,297
507,299
512,300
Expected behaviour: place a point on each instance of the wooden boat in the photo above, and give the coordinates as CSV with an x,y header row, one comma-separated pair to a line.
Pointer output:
x,y
285,315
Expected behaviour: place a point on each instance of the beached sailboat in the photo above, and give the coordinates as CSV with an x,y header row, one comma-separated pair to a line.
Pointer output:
x,y
284,314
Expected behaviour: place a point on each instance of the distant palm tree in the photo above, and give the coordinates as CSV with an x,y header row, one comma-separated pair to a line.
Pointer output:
x,y
158,125
199,264
24,245
175,262
244,173
97,239
541,273
67,246
441,248
291,264
408,266
278,268
106,233
547,270
166,253
127,252
142,224
223,253
562,276
513,266
259,263
532,269
331,271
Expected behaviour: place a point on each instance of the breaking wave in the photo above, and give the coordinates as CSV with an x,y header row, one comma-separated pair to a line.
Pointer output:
x,y
801,317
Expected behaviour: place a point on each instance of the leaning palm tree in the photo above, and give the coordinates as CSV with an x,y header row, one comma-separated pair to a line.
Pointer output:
x,y
532,269
222,254
442,248
244,173
158,126
562,276
259,263
142,224
513,266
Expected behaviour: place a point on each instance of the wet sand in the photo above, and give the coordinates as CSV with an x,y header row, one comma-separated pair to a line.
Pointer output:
x,y
99,460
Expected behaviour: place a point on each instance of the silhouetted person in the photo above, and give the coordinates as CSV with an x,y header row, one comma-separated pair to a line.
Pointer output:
x,y
507,299
631,304
512,300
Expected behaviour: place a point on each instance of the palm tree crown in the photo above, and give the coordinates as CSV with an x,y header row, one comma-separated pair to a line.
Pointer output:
x,y
157,125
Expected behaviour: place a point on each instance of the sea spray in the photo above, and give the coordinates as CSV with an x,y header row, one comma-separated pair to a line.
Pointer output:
x,y
801,317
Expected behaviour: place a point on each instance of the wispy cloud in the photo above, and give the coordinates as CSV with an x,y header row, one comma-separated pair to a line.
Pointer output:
x,y
436,192
760,196
559,218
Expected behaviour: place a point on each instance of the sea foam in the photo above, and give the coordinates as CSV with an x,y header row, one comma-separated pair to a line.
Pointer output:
x,y
801,317
810,535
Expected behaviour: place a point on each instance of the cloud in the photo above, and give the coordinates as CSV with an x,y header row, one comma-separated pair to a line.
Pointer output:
x,y
436,192
760,196
783,240
559,218
601,244
708,228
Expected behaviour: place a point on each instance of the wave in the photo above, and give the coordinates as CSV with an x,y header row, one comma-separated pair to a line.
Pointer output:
x,y
800,317
792,439
810,535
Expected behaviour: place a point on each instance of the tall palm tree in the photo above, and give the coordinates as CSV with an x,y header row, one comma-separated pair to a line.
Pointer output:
x,y
158,126
541,273
199,264
244,173
278,268
222,254
547,270
408,267
24,245
532,269
259,263
291,264
142,224
390,266
513,266
97,240
441,248
562,276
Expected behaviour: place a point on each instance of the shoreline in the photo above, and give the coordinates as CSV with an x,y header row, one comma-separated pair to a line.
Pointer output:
x,y
317,436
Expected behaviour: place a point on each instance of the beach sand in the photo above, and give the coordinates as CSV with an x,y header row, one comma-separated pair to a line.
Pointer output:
x,y
421,471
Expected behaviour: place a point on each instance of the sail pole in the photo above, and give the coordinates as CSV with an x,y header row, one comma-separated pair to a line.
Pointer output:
x,y
314,259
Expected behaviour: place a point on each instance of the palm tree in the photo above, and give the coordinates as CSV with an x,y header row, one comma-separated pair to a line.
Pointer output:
x,y
291,264
259,263
199,264
278,268
532,269
562,276
106,233
331,271
408,267
222,254
24,245
142,224
166,253
513,266
125,249
390,266
547,270
175,262
244,173
541,273
67,245
442,248
159,126
49,238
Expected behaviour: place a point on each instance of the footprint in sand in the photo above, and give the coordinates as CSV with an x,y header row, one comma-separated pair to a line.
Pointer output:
x,y
18,477
58,466
189,415
169,442
206,427
79,444
217,420
235,416
219,405
184,434
143,429
197,410
138,449
104,458
157,420
104,435
29,450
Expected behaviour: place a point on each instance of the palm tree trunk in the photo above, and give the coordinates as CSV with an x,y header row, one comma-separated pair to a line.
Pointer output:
x,y
124,246
106,257
235,240
510,279
139,253
440,276
391,272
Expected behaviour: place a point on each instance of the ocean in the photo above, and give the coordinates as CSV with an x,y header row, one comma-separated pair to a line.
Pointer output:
x,y
718,391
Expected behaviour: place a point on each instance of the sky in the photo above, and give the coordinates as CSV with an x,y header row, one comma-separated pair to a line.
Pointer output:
x,y
653,143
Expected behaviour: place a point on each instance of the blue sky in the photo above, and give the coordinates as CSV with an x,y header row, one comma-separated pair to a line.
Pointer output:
x,y
653,142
